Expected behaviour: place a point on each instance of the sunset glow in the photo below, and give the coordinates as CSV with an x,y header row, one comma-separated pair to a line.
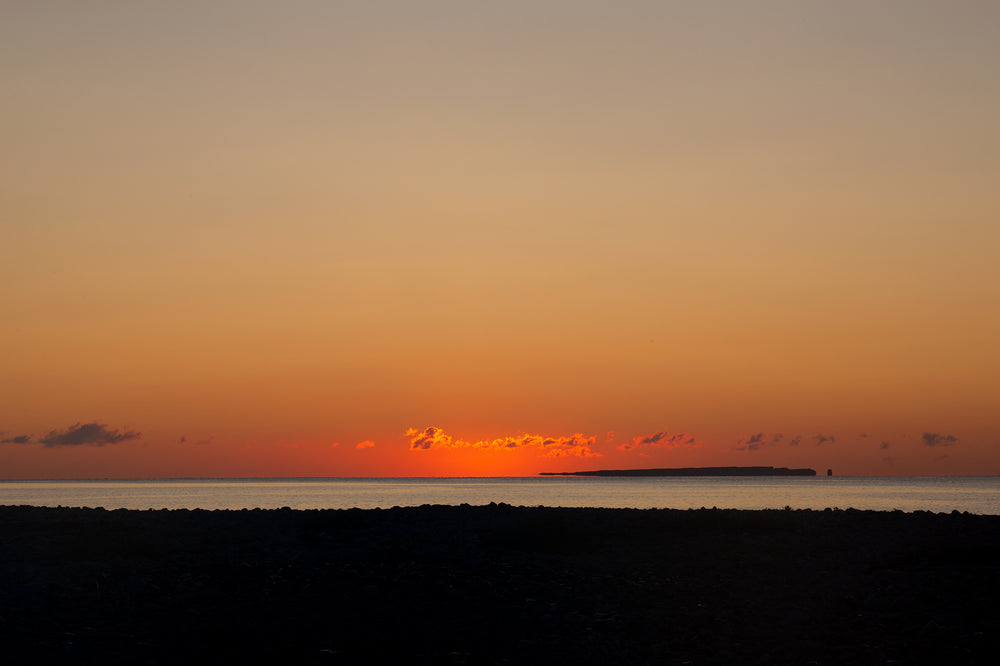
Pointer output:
x,y
243,239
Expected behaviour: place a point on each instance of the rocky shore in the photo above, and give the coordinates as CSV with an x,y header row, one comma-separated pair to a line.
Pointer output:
x,y
498,585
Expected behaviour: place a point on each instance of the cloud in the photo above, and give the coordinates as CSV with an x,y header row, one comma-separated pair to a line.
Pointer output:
x,y
571,445
937,439
579,452
367,444
751,443
759,441
661,440
794,441
823,439
429,438
94,434
883,445
18,439
435,438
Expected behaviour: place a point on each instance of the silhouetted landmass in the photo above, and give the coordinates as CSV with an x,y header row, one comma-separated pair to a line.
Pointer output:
x,y
498,585
693,471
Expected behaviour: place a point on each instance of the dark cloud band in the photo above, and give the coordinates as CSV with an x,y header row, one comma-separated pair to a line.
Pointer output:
x,y
937,439
92,434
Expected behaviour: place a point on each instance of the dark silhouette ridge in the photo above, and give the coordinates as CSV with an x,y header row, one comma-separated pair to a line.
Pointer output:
x,y
693,471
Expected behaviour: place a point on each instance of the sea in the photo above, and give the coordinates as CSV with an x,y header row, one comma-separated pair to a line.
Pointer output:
x,y
979,495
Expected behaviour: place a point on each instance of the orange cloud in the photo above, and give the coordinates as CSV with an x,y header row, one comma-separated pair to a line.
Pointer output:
x,y
428,438
663,440
583,451
572,445
367,444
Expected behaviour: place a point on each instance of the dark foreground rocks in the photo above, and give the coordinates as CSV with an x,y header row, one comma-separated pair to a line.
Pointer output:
x,y
498,585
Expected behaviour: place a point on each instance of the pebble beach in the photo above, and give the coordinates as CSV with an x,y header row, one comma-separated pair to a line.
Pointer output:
x,y
498,584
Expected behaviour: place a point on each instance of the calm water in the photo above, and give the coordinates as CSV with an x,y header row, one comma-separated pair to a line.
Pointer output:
x,y
940,494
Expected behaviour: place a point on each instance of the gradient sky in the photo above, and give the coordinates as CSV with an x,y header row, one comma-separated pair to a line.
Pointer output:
x,y
490,238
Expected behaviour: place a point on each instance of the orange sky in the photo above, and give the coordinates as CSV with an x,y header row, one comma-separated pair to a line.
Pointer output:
x,y
243,238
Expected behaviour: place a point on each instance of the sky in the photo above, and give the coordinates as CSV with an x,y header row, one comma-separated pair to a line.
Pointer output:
x,y
444,238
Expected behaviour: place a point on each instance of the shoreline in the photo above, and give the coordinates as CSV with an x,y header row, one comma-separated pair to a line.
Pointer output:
x,y
498,584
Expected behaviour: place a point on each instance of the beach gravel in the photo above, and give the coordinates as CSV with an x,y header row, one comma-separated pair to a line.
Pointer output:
x,y
498,584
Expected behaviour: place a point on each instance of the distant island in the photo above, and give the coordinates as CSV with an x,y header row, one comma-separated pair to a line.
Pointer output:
x,y
692,471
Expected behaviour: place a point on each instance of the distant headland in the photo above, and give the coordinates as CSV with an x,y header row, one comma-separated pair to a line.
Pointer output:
x,y
692,471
